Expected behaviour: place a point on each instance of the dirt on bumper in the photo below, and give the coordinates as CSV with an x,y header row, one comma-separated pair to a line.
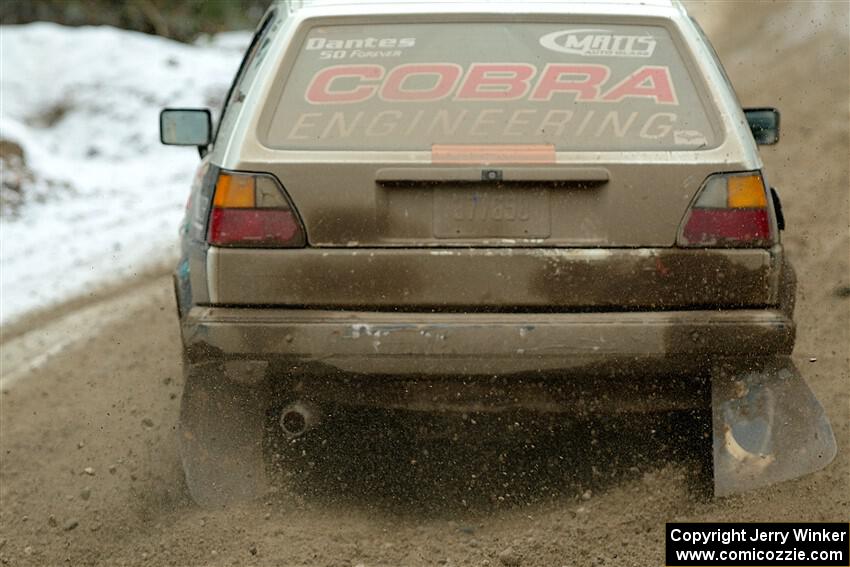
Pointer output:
x,y
482,343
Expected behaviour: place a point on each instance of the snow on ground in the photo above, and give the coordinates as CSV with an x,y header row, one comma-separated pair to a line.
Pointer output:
x,y
104,198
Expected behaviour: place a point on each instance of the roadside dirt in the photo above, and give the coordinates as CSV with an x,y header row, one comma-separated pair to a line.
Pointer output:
x,y
90,473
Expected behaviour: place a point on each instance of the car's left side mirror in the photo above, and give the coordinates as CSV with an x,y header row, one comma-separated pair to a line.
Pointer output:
x,y
186,127
764,124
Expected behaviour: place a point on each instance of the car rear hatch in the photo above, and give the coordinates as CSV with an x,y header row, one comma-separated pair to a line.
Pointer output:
x,y
491,165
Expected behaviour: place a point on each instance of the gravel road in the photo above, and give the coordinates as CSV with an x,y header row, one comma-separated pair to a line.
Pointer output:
x,y
90,472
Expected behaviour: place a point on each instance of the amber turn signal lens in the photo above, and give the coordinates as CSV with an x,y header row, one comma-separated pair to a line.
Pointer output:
x,y
746,192
234,191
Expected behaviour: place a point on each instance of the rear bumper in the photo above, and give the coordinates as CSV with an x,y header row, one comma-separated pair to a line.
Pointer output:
x,y
482,343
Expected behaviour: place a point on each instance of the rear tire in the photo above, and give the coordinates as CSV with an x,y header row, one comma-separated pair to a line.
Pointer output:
x,y
222,425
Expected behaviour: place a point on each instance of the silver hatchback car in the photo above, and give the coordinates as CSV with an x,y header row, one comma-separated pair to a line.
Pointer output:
x,y
463,207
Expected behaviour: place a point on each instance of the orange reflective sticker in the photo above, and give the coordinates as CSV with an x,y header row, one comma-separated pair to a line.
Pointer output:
x,y
492,153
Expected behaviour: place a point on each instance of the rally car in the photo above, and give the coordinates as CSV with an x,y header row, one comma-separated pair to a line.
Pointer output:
x,y
484,207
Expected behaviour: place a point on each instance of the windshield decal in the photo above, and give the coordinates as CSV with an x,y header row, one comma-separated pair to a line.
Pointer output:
x,y
599,43
412,86
486,81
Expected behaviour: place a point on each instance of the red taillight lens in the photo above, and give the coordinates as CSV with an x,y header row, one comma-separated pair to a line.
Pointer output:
x,y
730,210
709,226
252,210
252,226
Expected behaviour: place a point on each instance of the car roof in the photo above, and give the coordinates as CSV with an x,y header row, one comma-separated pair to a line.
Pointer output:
x,y
546,6
297,4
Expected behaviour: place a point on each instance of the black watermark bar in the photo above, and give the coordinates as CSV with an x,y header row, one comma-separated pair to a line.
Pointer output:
x,y
758,544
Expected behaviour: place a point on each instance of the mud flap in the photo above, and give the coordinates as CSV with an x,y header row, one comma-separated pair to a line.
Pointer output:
x,y
221,437
768,427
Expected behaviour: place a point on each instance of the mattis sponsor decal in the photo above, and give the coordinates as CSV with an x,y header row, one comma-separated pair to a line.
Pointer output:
x,y
599,43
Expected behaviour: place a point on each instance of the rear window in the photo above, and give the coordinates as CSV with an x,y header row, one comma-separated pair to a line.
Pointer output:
x,y
413,86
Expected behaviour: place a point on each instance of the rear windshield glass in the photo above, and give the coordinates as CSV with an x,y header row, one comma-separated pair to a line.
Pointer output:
x,y
411,86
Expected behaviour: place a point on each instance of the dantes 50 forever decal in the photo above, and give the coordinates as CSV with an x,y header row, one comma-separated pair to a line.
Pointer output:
x,y
359,48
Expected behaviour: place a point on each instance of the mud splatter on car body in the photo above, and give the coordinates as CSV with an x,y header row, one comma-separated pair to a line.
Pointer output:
x,y
466,266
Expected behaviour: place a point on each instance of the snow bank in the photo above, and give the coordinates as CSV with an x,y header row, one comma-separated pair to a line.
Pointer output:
x,y
105,198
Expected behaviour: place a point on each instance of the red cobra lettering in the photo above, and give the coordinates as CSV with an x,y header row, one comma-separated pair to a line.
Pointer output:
x,y
659,86
587,87
319,91
509,83
447,75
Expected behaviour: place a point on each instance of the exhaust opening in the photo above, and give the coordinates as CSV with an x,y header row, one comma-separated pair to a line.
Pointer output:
x,y
298,418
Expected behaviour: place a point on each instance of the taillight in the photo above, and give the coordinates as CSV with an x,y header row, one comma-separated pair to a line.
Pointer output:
x,y
730,210
253,210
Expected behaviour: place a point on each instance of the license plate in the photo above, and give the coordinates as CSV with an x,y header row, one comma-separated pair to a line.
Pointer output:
x,y
496,212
